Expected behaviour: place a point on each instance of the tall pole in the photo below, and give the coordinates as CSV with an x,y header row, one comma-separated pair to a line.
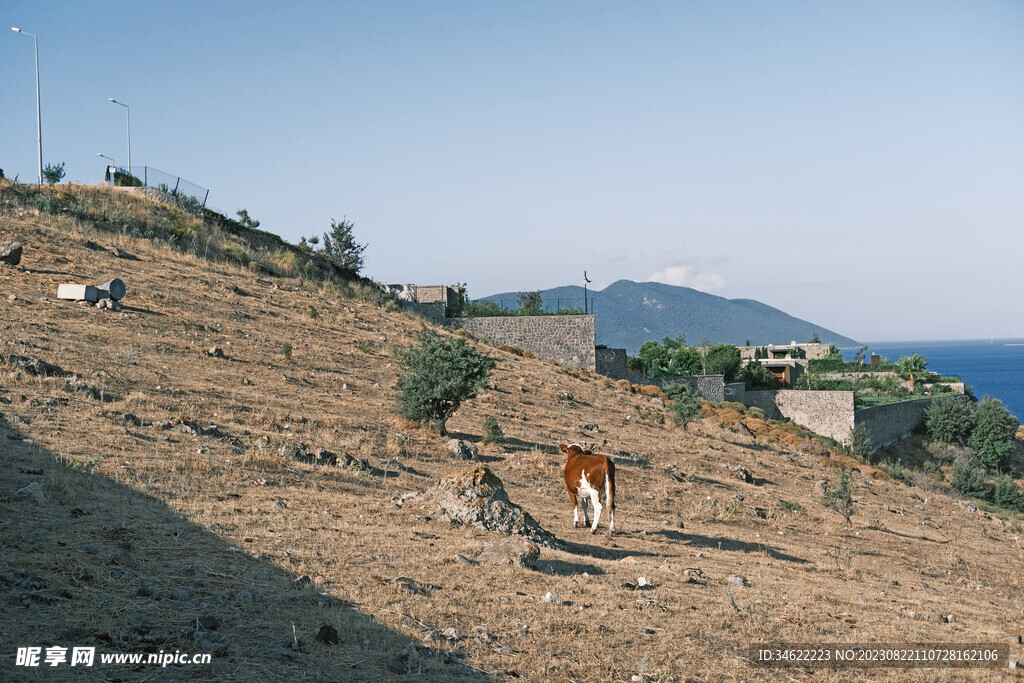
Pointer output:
x,y
128,111
39,118
586,281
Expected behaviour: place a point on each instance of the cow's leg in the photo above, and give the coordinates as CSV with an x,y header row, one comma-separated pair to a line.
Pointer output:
x,y
583,504
595,500
575,508
609,490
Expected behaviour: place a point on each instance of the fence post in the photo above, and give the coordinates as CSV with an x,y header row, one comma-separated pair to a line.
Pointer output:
x,y
205,197
176,183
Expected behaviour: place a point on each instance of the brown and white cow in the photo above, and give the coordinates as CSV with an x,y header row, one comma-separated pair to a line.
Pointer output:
x,y
586,475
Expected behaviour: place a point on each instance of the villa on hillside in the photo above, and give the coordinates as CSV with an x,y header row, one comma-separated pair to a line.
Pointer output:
x,y
786,362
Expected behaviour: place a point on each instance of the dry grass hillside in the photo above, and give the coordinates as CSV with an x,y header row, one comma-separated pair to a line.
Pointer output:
x,y
198,535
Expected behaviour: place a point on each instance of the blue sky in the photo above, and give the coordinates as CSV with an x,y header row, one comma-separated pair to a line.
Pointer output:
x,y
859,165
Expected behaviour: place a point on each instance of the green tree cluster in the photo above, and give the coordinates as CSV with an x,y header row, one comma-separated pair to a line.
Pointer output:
x,y
673,357
987,428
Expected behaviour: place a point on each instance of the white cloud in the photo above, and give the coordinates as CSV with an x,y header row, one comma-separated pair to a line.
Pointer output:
x,y
685,275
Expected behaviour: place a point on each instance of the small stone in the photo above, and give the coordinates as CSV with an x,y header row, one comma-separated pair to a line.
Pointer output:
x,y
553,599
515,550
215,352
12,297
863,599
642,583
453,635
737,580
821,487
181,594
208,622
126,559
33,491
210,641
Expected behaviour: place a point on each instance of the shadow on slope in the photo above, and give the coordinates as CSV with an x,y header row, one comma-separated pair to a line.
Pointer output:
x,y
100,564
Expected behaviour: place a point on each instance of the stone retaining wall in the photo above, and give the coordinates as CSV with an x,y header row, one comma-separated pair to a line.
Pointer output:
x,y
566,339
886,424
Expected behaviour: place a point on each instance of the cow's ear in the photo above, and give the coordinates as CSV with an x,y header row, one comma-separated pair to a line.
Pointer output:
x,y
565,449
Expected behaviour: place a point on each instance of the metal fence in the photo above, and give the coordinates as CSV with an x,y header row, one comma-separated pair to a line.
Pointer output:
x,y
147,176
551,305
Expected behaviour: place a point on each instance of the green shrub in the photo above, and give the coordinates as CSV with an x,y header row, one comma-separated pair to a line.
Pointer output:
x,y
439,374
898,472
860,442
53,173
840,499
686,404
1006,494
757,377
492,431
286,350
994,433
951,419
969,479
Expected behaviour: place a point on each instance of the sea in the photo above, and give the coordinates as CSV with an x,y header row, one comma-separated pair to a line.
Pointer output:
x,y
993,367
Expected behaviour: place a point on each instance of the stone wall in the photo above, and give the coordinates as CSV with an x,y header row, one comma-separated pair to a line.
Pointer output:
x,y
886,424
565,339
832,414
829,413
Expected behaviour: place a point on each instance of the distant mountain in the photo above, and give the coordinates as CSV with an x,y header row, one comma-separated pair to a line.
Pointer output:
x,y
627,314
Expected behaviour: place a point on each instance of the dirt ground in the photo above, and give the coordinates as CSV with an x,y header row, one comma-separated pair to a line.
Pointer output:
x,y
171,522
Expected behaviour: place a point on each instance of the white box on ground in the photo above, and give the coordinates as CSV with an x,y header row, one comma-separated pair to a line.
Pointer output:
x,y
79,293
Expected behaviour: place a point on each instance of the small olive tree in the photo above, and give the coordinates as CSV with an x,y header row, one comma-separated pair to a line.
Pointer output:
x,y
841,499
53,173
439,374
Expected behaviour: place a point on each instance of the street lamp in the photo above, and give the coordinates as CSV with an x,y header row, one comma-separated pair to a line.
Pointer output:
x,y
39,119
112,163
128,111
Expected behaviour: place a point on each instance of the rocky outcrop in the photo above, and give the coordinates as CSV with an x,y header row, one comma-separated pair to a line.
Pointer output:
x,y
478,498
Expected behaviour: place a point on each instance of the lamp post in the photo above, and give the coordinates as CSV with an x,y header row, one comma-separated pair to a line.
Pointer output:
x,y
112,163
128,111
39,119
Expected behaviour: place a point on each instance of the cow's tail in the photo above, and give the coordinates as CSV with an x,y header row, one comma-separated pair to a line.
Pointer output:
x,y
609,484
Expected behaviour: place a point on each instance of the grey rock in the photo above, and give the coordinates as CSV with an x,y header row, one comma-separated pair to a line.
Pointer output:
x,y
210,641
33,491
821,487
126,559
181,594
35,366
208,622
10,253
738,580
215,351
552,598
477,498
462,449
515,550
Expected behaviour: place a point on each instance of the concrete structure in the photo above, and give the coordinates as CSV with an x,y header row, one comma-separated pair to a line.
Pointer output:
x,y
565,339
807,351
430,301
